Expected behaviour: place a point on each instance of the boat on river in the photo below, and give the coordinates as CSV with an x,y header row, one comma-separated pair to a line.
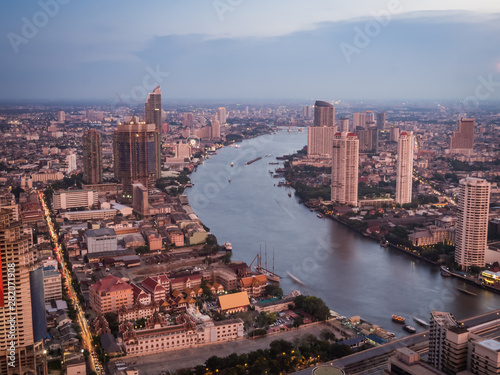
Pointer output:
x,y
445,272
296,279
398,319
421,322
408,328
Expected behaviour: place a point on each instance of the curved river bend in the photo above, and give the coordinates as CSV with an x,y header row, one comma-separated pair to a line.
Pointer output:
x,y
352,274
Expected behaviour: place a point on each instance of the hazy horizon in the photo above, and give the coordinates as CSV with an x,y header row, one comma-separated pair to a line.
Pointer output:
x,y
250,51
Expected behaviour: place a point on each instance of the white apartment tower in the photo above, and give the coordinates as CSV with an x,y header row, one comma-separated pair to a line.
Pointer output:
x,y
472,224
404,168
345,166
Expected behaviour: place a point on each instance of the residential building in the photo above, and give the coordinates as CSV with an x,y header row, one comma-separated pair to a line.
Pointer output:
x,y
92,157
472,224
380,120
345,165
439,324
52,285
152,115
358,120
221,115
109,294
404,176
344,124
155,289
255,286
319,136
140,198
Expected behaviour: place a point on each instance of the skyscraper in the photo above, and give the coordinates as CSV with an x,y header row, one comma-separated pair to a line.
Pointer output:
x,y
380,120
472,224
215,129
462,141
345,166
440,323
369,118
135,154
324,114
15,298
404,176
61,117
221,115
358,120
152,115
320,136
344,124
368,139
92,157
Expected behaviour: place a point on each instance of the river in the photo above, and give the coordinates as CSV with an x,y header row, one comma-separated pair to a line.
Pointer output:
x,y
352,274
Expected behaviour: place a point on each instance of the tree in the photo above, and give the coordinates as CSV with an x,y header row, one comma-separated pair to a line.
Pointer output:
x,y
274,290
313,306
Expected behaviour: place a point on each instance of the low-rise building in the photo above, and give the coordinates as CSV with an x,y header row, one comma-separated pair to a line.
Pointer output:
x,y
52,285
255,286
233,303
109,294
99,240
65,199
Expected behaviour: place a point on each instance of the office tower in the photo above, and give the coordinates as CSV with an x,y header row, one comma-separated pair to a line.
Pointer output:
x,y
394,134
439,324
345,165
71,163
462,141
61,117
135,155
368,139
369,118
344,124
404,177
16,259
320,136
324,114
92,157
152,115
215,129
380,120
307,112
140,197
472,224
358,120
221,115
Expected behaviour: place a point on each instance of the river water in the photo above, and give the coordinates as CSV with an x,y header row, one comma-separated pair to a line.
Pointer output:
x,y
352,274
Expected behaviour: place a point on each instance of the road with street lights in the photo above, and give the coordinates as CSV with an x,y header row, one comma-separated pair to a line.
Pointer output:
x,y
81,320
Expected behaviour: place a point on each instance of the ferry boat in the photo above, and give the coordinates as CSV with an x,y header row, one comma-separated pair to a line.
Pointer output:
x,y
319,215
398,319
228,246
296,279
408,328
232,164
421,322
465,291
237,146
289,194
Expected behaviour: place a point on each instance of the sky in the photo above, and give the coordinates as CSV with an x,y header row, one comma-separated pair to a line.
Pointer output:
x,y
250,49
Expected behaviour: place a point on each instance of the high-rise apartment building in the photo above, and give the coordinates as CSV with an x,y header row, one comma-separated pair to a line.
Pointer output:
x,y
472,224
368,139
358,120
394,134
345,166
380,120
324,114
404,177
215,129
152,115
61,117
462,141
320,136
16,325
344,124
440,322
369,118
221,115
135,154
92,157
71,163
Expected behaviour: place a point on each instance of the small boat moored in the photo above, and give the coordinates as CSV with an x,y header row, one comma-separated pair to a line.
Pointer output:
x,y
421,322
398,319
408,328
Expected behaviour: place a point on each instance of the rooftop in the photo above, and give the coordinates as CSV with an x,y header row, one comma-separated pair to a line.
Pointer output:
x,y
100,232
231,301
490,344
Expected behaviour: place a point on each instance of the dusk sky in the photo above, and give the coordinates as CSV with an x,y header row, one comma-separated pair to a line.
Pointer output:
x,y
250,49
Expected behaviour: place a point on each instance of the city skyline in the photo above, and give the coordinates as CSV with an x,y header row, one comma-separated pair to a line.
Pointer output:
x,y
199,52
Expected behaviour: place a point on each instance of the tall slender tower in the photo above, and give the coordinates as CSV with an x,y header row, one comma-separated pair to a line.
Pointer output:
x,y
92,156
380,120
344,124
222,115
17,352
135,154
320,136
345,166
472,223
152,115
404,176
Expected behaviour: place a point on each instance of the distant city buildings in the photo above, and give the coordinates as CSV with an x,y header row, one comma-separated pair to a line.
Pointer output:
x,y
380,120
71,163
152,115
368,139
92,157
222,115
404,177
472,225
358,120
462,141
61,117
345,166
320,136
344,124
